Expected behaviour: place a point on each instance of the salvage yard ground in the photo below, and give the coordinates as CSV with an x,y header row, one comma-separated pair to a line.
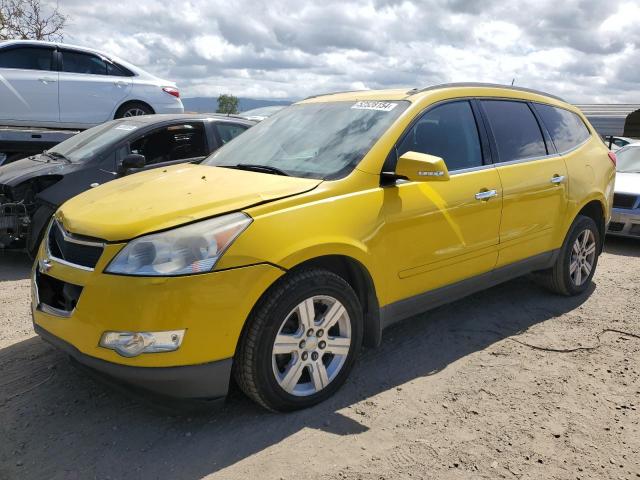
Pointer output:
x,y
510,383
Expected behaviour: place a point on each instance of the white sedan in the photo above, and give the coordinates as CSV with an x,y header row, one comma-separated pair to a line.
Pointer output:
x,y
45,84
625,217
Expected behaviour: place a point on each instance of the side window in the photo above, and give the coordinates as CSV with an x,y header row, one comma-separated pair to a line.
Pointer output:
x,y
116,70
176,142
26,58
448,131
229,131
566,128
77,62
515,130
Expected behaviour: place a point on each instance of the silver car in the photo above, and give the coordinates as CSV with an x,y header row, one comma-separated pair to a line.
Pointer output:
x,y
625,218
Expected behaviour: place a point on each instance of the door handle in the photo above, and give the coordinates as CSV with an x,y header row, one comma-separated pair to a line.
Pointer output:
x,y
486,194
47,79
120,83
557,179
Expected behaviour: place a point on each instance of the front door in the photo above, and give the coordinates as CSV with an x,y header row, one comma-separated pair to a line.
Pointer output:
x,y
533,177
28,85
442,232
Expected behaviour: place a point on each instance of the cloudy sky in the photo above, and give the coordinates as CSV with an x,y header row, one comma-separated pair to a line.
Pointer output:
x,y
584,50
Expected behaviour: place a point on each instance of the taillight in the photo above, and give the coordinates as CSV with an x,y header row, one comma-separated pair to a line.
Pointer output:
x,y
613,158
172,91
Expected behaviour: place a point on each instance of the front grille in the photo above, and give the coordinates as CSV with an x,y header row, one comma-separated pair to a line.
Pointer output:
x,y
635,229
73,250
615,226
57,294
623,200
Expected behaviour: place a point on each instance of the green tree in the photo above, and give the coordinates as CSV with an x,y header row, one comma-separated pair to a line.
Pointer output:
x,y
227,104
29,20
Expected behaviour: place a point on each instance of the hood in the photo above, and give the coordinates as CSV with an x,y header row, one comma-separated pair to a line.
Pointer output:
x,y
167,197
628,183
15,173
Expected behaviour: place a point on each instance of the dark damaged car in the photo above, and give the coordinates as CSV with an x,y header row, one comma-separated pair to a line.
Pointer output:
x,y
32,189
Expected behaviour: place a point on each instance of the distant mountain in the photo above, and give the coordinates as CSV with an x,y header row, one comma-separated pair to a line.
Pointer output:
x,y
210,104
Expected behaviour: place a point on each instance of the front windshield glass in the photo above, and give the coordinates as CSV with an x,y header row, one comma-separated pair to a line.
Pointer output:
x,y
628,160
85,145
314,140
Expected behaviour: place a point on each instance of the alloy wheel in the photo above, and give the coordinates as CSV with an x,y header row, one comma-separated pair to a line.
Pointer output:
x,y
134,112
312,345
583,256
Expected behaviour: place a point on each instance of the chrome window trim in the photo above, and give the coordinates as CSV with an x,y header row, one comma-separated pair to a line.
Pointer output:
x,y
471,169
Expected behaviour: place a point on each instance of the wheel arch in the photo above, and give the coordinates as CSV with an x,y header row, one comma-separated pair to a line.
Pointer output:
x,y
128,102
595,209
359,278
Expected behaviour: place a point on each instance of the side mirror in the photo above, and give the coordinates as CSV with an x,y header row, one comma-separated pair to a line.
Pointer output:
x,y
131,162
420,167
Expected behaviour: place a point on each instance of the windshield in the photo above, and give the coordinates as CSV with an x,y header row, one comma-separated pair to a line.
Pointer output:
x,y
84,145
313,140
628,160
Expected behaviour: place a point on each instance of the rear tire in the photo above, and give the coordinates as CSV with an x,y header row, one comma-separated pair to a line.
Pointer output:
x,y
300,342
577,260
133,109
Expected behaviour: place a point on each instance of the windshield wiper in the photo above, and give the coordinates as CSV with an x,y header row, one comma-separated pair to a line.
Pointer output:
x,y
56,156
258,168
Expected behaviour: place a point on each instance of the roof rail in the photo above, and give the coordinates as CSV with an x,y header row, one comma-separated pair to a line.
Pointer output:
x,y
479,84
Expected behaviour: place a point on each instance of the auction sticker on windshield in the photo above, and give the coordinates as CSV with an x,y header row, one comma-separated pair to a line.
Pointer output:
x,y
380,106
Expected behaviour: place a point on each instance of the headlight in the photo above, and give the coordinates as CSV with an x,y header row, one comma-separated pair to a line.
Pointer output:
x,y
194,248
132,344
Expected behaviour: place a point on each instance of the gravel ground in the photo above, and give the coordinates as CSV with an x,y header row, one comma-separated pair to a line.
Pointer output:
x,y
510,383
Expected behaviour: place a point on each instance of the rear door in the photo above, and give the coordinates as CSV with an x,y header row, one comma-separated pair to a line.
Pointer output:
x,y
89,94
533,176
28,84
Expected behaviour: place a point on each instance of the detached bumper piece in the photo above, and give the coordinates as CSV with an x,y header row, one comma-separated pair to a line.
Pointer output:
x,y
204,381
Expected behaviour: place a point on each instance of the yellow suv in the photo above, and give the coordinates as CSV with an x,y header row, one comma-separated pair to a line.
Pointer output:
x,y
279,256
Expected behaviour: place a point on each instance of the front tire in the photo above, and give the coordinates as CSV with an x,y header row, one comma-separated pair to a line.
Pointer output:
x,y
577,260
301,341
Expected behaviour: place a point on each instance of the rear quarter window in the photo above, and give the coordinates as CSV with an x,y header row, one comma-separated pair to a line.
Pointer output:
x,y
515,130
567,129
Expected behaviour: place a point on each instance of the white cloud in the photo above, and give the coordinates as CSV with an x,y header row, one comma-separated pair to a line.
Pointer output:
x,y
581,49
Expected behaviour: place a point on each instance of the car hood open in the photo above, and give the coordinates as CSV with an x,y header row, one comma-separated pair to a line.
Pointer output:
x,y
166,197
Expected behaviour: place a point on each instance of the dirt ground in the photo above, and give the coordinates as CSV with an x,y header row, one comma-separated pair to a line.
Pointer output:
x,y
510,383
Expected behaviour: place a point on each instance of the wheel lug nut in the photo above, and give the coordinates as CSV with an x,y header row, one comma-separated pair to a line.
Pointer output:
x,y
319,333
302,344
309,332
322,344
314,356
304,355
